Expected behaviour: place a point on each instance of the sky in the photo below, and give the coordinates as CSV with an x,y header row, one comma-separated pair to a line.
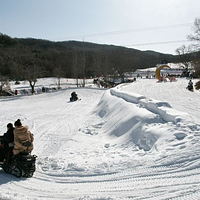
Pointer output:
x,y
158,25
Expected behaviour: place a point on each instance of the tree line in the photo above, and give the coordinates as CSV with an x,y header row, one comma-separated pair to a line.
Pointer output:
x,y
29,59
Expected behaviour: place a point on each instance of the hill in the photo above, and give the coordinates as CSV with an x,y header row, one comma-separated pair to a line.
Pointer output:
x,y
72,58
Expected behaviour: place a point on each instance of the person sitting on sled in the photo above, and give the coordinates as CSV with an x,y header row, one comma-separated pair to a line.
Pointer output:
x,y
7,141
74,96
23,139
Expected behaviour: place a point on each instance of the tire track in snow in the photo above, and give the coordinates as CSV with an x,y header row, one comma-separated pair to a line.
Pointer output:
x,y
121,185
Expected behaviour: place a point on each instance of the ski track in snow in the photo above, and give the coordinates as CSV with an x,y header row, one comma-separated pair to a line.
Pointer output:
x,y
79,159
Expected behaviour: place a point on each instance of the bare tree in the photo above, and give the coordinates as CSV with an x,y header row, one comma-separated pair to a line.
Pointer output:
x,y
28,67
184,55
59,72
196,28
75,66
79,66
31,73
2,83
82,66
196,38
105,67
121,63
97,64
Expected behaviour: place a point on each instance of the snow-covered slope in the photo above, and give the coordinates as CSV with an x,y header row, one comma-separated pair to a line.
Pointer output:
x,y
135,141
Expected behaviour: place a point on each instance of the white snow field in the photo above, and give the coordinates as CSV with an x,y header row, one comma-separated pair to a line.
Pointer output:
x,y
136,141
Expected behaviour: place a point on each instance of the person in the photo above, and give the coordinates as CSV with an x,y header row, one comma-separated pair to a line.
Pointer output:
x,y
190,85
8,144
43,89
23,139
8,136
74,96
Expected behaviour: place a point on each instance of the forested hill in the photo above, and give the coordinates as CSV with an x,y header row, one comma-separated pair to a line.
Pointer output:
x,y
71,58
88,46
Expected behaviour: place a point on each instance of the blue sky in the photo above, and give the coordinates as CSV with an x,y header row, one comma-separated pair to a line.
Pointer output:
x,y
132,23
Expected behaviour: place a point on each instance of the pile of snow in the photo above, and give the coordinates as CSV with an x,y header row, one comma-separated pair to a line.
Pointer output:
x,y
134,118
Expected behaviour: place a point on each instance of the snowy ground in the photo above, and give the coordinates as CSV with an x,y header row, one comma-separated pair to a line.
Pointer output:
x,y
136,141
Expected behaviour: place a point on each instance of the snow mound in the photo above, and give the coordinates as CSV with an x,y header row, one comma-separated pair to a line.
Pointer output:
x,y
144,122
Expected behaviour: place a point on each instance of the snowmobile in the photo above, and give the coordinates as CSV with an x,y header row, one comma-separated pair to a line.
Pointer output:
x,y
21,165
190,88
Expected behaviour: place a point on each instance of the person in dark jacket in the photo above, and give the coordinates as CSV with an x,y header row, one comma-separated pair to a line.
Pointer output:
x,y
74,96
8,136
8,143
190,85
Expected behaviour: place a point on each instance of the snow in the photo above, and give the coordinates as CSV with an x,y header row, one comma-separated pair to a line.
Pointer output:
x,y
139,140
